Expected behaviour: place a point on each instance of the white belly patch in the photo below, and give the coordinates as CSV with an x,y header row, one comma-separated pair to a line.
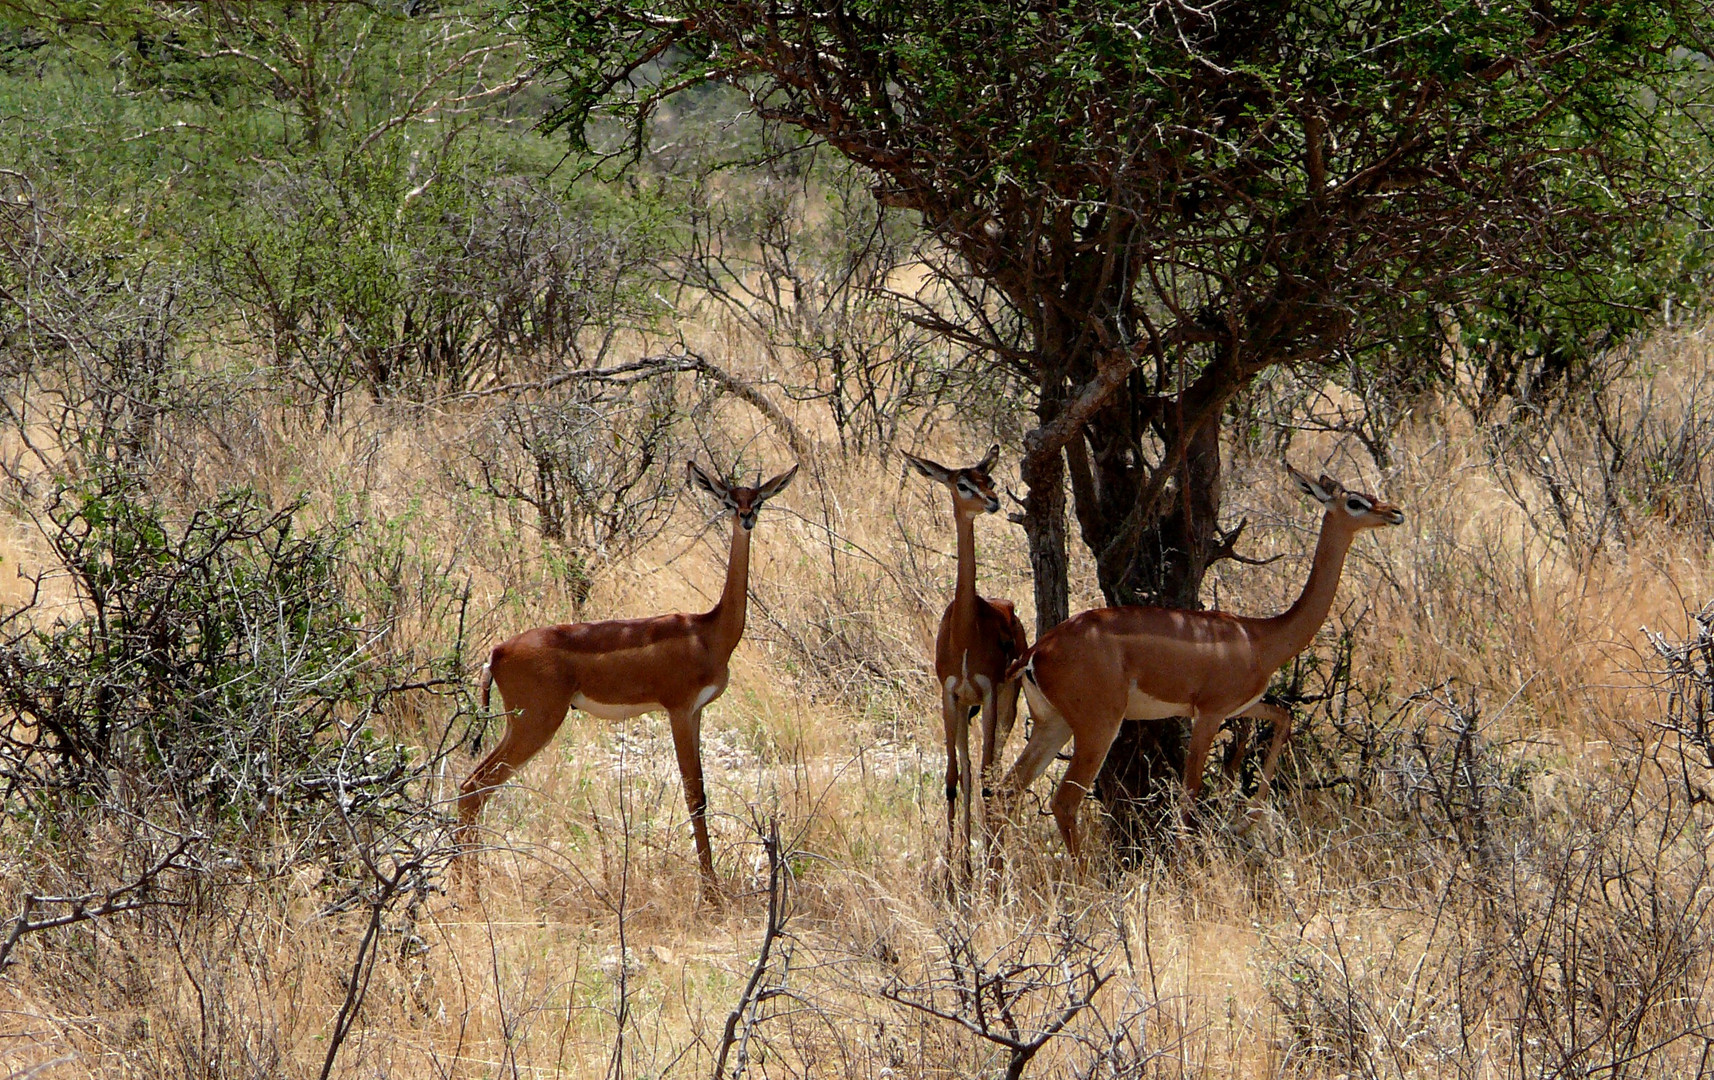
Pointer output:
x,y
707,694
1140,706
608,711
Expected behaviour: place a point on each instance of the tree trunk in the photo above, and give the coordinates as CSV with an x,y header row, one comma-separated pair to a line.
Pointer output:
x,y
1173,555
1044,526
1043,473
1139,783
1152,525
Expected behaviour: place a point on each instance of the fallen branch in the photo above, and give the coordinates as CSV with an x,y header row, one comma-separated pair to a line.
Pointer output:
x,y
648,367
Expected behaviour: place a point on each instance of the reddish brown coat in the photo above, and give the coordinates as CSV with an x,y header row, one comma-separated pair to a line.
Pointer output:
x,y
624,667
1092,672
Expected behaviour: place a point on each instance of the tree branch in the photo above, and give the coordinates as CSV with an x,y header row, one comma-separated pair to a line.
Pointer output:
x,y
112,902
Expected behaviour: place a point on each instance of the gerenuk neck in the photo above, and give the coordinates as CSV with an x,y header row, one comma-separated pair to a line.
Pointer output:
x,y
964,594
728,615
1291,632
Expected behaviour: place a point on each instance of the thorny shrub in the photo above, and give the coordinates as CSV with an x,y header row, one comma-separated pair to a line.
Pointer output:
x,y
91,343
203,714
215,655
1589,470
594,461
810,268
1577,948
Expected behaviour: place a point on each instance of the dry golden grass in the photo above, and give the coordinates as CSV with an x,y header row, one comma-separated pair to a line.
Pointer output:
x,y
581,948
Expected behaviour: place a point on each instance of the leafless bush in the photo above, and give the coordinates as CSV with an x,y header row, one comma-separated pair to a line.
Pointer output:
x,y
592,462
552,282
597,463
1019,996
1581,950
806,261
843,642
1564,936
844,648
1360,398
1607,924
1688,681
1589,469
1428,763
745,1021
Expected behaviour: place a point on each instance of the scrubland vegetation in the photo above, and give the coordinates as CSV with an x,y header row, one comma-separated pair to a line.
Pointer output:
x,y
323,373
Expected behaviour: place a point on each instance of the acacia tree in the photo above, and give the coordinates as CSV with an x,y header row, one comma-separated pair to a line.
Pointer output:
x,y
1148,205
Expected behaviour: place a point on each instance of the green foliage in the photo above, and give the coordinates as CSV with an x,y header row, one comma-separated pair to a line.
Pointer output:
x,y
1163,201
1037,94
343,175
383,272
212,661
1213,141
174,117
1528,344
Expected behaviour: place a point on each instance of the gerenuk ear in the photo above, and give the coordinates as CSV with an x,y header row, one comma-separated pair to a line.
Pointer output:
x,y
697,476
1314,490
776,485
987,463
931,469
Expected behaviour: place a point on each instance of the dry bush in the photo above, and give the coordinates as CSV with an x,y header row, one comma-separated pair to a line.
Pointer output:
x,y
854,618
95,348
1574,944
1591,469
196,711
807,268
599,465
204,720
1474,889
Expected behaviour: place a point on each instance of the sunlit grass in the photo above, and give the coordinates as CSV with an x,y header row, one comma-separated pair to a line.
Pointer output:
x,y
586,905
